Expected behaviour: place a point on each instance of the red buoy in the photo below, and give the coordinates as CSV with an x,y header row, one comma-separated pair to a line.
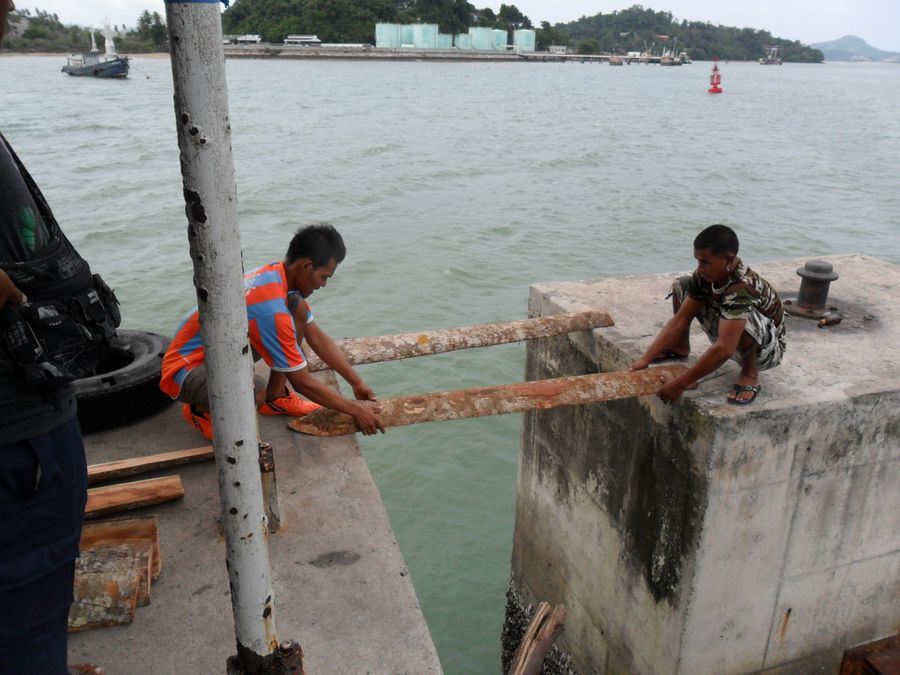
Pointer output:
x,y
715,79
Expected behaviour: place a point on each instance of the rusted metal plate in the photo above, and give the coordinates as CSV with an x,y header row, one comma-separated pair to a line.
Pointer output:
x,y
407,345
496,400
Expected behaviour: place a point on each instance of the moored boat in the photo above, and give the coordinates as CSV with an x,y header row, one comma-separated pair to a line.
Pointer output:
x,y
95,64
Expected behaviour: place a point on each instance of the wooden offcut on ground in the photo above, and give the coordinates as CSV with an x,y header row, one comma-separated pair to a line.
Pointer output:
x,y
133,495
119,560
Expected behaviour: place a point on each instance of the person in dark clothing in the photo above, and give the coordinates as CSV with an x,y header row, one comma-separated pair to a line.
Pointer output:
x,y
43,473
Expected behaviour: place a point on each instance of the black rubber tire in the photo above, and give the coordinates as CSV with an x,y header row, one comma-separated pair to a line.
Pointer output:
x,y
127,386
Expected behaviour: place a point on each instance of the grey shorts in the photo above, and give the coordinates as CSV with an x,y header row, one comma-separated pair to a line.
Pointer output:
x,y
195,387
769,337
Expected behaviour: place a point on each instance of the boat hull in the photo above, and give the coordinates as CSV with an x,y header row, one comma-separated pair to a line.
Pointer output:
x,y
116,68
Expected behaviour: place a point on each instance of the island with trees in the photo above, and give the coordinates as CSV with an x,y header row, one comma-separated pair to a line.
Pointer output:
x,y
634,29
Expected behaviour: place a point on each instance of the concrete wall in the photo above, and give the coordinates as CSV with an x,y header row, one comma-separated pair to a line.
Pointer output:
x,y
709,538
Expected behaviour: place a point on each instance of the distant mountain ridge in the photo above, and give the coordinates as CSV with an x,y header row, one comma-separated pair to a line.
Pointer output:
x,y
853,48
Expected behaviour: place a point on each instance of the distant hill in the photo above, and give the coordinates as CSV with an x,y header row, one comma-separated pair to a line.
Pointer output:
x,y
853,48
638,28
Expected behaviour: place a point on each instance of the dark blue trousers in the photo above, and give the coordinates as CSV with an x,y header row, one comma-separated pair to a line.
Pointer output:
x,y
43,489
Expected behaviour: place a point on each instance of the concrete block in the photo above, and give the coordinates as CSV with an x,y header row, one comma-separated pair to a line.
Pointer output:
x,y
834,609
841,517
731,607
593,574
686,532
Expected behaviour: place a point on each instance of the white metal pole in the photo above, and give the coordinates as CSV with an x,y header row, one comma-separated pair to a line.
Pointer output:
x,y
207,168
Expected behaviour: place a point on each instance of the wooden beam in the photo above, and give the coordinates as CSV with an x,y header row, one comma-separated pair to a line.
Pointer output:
x,y
545,627
407,345
134,495
98,473
497,400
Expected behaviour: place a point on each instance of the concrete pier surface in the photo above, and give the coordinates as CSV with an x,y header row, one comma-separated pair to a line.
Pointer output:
x,y
342,589
705,537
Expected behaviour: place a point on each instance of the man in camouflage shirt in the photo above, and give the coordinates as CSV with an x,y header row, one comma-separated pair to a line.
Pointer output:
x,y
739,311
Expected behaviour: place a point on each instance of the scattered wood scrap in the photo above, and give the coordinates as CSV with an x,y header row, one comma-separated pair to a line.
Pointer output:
x,y
496,400
98,473
407,345
119,560
545,627
133,495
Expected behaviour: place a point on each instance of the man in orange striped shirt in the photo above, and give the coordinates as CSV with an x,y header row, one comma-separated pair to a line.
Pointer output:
x,y
279,318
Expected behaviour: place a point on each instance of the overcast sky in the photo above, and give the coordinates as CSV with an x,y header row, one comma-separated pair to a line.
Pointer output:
x,y
876,21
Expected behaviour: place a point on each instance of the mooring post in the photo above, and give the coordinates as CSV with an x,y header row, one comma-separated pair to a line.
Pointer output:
x,y
269,487
207,169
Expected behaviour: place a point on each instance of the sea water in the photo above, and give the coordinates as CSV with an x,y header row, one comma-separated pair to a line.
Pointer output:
x,y
456,185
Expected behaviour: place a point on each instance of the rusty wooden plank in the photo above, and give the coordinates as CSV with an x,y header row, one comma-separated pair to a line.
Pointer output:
x,y
407,345
97,473
496,400
133,495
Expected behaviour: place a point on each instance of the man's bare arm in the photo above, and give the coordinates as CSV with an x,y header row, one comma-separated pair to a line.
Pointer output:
x,y
366,415
669,335
718,353
324,346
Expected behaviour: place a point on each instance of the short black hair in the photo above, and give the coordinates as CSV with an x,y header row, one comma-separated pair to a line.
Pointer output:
x,y
717,239
320,242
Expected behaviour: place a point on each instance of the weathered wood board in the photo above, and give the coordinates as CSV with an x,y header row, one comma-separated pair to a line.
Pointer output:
x,y
98,473
496,400
133,495
407,345
119,559
123,530
107,586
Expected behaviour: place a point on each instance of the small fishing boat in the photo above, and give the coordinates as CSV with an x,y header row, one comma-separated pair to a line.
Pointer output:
x,y
95,64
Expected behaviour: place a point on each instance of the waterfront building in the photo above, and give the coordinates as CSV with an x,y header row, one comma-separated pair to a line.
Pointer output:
x,y
311,40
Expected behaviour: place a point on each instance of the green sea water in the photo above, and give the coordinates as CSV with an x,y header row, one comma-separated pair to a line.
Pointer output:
x,y
456,186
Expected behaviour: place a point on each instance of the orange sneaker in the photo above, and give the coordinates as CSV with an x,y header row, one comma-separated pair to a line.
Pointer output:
x,y
198,420
291,405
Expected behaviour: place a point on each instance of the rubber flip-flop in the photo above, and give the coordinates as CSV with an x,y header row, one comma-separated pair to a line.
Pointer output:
x,y
668,356
739,388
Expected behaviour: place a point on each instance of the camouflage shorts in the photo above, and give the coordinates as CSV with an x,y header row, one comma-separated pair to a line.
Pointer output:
x,y
769,337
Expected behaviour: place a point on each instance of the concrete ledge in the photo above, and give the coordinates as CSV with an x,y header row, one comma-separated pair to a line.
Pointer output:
x,y
341,587
705,537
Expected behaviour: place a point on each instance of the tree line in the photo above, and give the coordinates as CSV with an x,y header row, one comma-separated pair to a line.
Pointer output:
x,y
41,31
638,29
354,20
635,29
